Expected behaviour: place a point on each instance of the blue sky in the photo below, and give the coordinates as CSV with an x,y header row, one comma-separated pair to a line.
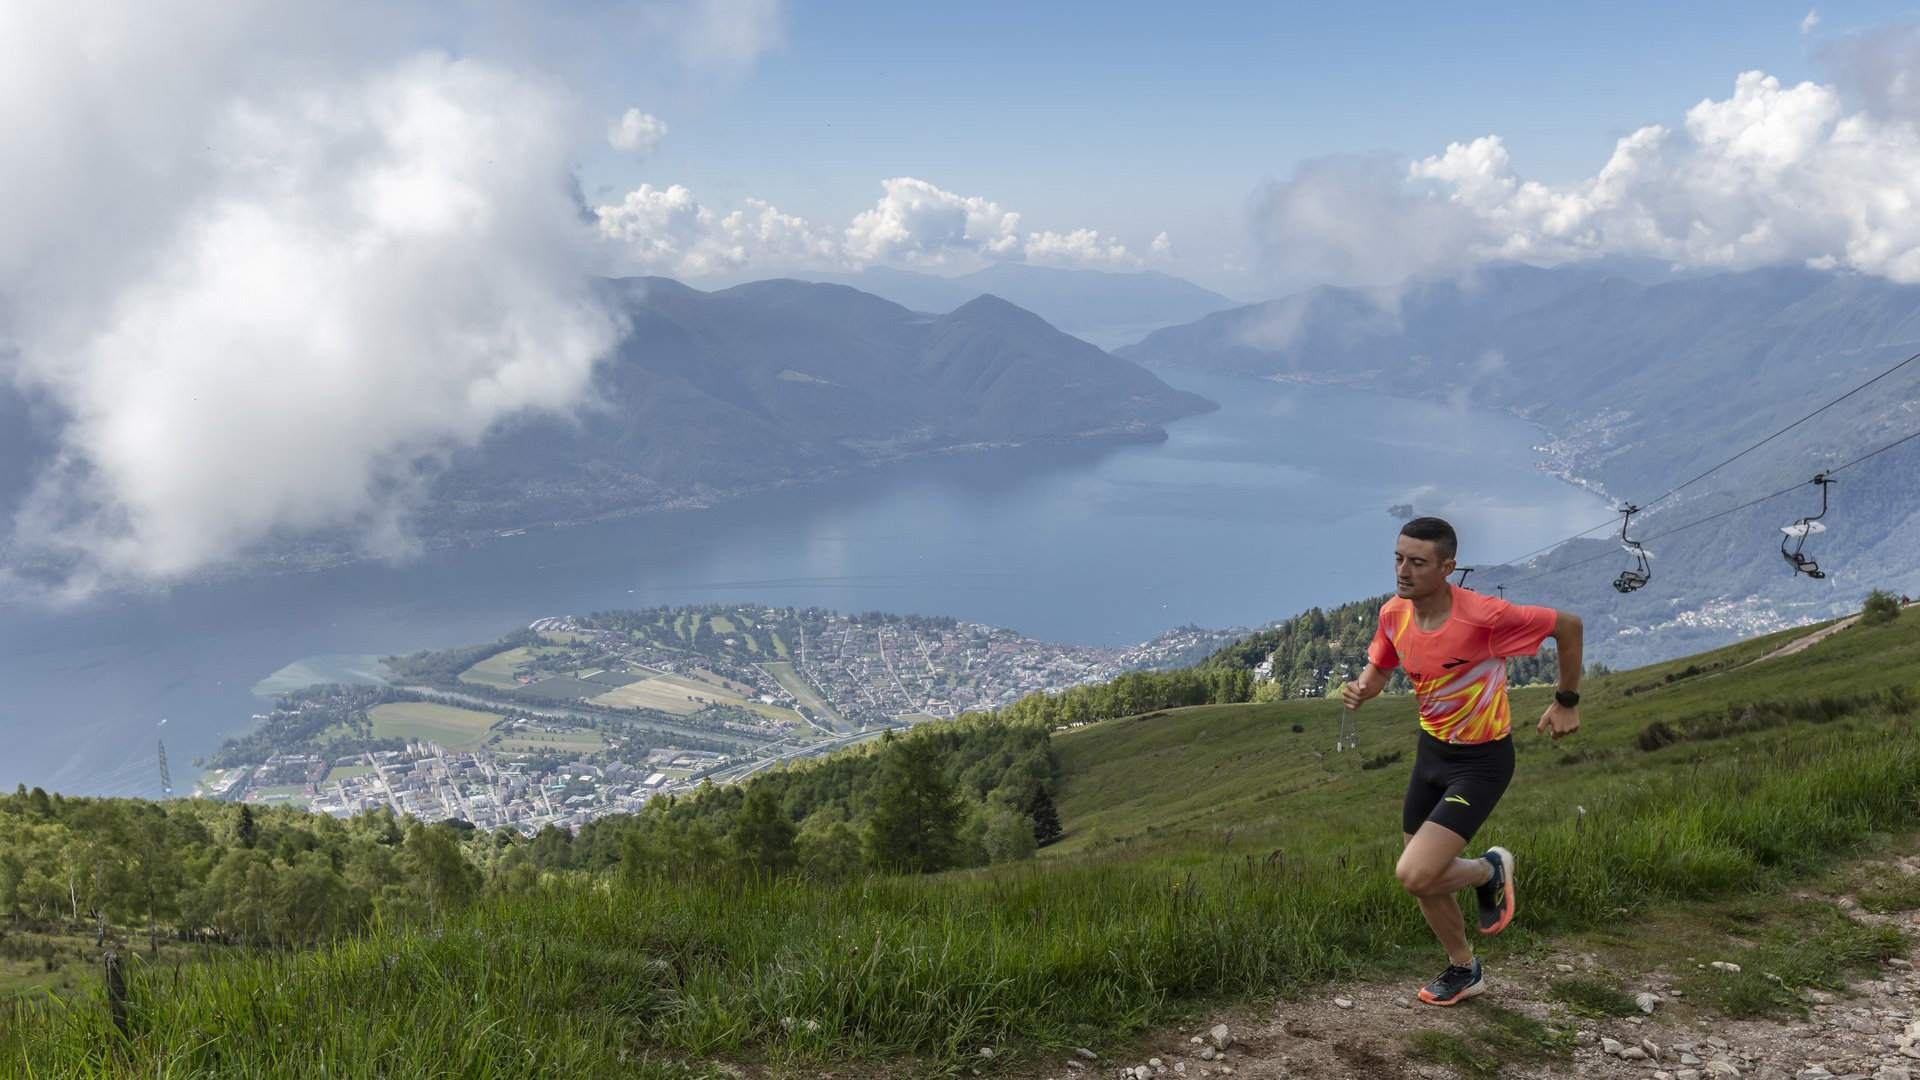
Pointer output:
x,y
235,235
1134,118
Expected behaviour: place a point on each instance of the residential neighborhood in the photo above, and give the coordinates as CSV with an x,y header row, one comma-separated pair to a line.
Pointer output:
x,y
577,717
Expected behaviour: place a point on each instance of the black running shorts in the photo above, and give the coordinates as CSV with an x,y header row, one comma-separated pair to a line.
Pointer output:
x,y
1456,784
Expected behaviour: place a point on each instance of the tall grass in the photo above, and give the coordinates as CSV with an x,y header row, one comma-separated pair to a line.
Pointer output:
x,y
577,977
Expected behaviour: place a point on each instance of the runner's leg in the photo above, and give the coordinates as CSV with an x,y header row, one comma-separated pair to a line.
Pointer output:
x,y
1430,868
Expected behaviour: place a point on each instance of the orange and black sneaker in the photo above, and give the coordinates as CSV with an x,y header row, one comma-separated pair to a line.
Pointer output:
x,y
1496,896
1456,984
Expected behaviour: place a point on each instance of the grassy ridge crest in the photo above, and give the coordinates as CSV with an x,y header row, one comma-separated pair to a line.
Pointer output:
x,y
1214,853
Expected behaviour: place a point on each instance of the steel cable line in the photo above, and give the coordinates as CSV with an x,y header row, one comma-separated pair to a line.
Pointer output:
x,y
1675,490
1715,516
1789,427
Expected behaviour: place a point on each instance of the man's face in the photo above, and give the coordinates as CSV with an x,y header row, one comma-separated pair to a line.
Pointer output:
x,y
1418,569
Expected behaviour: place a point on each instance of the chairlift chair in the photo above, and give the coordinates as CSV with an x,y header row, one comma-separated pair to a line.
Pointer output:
x,y
1800,530
1463,571
1629,580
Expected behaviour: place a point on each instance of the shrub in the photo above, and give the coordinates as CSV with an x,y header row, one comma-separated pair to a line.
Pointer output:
x,y
1881,608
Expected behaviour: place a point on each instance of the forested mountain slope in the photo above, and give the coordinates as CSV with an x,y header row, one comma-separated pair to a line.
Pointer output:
x,y
1639,388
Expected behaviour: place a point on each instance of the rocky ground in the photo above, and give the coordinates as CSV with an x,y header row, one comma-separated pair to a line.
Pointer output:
x,y
1868,1030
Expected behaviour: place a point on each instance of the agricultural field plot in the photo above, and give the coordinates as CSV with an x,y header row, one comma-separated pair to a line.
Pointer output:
x,y
606,677
454,729
803,693
559,688
667,693
563,637
500,669
535,742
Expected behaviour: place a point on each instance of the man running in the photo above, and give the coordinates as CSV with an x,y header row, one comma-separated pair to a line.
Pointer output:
x,y
1454,644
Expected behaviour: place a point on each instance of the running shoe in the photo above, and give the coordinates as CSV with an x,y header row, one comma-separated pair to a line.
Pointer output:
x,y
1456,984
1496,896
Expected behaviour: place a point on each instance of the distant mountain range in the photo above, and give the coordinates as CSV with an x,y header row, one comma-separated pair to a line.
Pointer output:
x,y
1103,307
1640,387
714,393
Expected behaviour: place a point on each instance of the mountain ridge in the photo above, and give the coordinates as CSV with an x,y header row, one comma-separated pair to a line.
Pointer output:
x,y
1638,388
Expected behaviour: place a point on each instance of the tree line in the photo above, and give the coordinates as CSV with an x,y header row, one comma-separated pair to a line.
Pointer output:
x,y
969,792
948,794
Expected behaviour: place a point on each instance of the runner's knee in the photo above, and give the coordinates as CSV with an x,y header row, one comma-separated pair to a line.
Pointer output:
x,y
1418,879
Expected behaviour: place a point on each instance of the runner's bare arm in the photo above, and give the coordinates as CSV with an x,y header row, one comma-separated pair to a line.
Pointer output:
x,y
1371,682
1567,637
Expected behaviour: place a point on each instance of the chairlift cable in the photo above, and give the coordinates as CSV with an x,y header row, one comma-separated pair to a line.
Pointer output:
x,y
1610,522
1720,514
1790,427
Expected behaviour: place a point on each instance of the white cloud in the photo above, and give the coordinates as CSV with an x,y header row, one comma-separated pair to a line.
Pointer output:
x,y
272,262
364,286
1812,20
667,231
913,224
917,223
637,132
1354,219
1079,248
1162,247
1772,174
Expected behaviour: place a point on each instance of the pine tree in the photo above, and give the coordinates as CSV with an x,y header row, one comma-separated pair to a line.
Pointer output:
x,y
247,830
1046,820
916,819
763,835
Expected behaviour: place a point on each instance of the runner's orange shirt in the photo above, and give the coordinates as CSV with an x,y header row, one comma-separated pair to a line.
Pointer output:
x,y
1459,671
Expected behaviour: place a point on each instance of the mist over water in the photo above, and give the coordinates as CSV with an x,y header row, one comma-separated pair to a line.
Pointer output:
x,y
1273,504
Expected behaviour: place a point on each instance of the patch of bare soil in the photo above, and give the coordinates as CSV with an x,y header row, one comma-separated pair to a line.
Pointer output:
x,y
1869,1030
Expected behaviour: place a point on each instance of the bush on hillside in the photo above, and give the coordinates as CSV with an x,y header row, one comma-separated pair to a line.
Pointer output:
x,y
1881,608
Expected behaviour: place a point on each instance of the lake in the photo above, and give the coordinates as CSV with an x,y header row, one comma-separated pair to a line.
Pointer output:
x,y
1276,503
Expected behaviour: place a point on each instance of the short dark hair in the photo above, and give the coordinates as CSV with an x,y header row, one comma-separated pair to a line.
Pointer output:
x,y
1436,530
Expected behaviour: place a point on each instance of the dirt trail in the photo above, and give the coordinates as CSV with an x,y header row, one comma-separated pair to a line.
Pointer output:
x,y
1817,637
1861,1031
1809,641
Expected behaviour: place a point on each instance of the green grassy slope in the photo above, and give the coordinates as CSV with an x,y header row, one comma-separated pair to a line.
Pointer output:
x,y
1152,783
1213,857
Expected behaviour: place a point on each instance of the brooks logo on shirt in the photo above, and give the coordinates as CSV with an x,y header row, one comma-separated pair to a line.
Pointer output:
x,y
1456,663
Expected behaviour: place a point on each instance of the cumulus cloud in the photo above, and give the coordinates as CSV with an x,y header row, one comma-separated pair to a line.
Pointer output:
x,y
1812,20
666,230
1354,218
916,222
268,263
637,133
1772,174
913,224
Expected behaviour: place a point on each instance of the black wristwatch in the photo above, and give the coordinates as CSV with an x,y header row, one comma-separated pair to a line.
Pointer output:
x,y
1568,699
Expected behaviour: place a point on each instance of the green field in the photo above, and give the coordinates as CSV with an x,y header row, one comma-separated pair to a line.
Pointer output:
x,y
533,742
559,688
343,772
498,670
1243,766
453,728
805,694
